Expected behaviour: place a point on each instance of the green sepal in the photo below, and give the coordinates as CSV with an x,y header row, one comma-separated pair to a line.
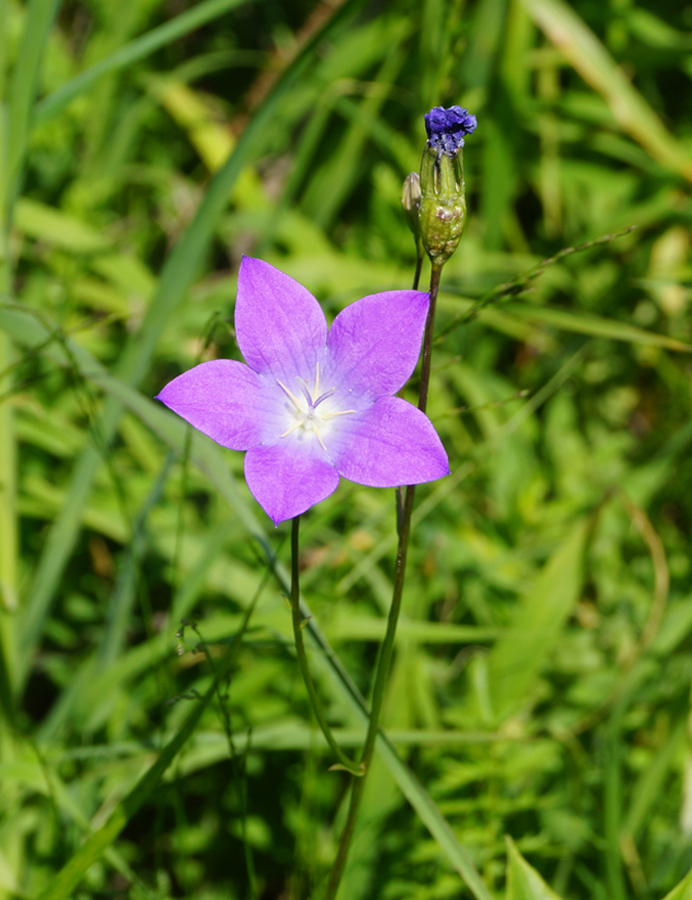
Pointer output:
x,y
442,212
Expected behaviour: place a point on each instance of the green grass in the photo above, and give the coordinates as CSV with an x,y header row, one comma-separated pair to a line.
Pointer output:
x,y
542,678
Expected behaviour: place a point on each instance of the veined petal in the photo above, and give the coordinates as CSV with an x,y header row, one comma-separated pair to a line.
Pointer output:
x,y
388,445
223,399
280,327
374,343
286,481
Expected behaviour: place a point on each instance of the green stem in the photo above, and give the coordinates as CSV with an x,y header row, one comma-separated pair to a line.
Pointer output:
x,y
427,339
8,511
16,104
8,531
8,462
384,662
416,277
344,761
400,490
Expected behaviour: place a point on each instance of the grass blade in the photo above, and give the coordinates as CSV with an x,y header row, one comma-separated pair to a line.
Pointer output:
x,y
593,62
178,274
523,881
683,891
24,326
57,228
125,590
330,190
517,657
133,52
597,326
39,20
14,130
93,848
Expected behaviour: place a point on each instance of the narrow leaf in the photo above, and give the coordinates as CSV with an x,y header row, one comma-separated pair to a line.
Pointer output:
x,y
93,848
597,326
24,326
39,20
590,58
133,52
178,273
518,656
523,881
683,891
57,228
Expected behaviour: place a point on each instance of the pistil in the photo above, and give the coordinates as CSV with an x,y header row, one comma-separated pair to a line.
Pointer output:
x,y
307,413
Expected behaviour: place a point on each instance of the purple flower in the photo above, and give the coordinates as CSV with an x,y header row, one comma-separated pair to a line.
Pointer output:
x,y
311,405
446,127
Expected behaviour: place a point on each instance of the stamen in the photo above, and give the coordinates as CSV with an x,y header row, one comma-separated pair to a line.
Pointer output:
x,y
345,412
295,400
319,438
306,413
292,428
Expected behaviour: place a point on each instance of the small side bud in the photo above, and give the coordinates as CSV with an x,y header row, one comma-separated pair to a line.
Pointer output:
x,y
410,200
442,210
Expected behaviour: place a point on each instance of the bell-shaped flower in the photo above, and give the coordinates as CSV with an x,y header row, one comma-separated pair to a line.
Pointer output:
x,y
312,404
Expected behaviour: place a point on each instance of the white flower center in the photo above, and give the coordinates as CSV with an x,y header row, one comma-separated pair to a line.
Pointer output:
x,y
312,412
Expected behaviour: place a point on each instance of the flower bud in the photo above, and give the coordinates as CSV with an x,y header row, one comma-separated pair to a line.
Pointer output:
x,y
442,211
410,200
443,204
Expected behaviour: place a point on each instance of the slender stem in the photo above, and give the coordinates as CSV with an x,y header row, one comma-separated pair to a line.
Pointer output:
x,y
384,662
8,537
344,761
427,339
400,490
8,460
8,464
8,511
416,277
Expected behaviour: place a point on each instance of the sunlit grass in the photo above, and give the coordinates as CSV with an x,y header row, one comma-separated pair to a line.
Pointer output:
x,y
541,684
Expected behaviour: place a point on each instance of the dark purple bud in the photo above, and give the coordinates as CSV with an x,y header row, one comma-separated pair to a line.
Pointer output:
x,y
446,128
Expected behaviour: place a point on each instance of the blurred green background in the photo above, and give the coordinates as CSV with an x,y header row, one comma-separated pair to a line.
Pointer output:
x,y
542,679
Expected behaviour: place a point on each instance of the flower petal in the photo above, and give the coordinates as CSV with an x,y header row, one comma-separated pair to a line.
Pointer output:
x,y
285,480
280,327
223,399
390,444
375,342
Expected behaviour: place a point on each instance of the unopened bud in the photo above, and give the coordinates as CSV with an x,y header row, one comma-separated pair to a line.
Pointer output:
x,y
443,204
442,212
410,201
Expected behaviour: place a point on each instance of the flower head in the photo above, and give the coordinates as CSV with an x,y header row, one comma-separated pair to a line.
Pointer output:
x,y
313,404
446,128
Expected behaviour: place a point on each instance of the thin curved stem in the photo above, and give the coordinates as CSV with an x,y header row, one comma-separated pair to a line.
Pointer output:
x,y
416,277
344,761
384,662
400,491
427,339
